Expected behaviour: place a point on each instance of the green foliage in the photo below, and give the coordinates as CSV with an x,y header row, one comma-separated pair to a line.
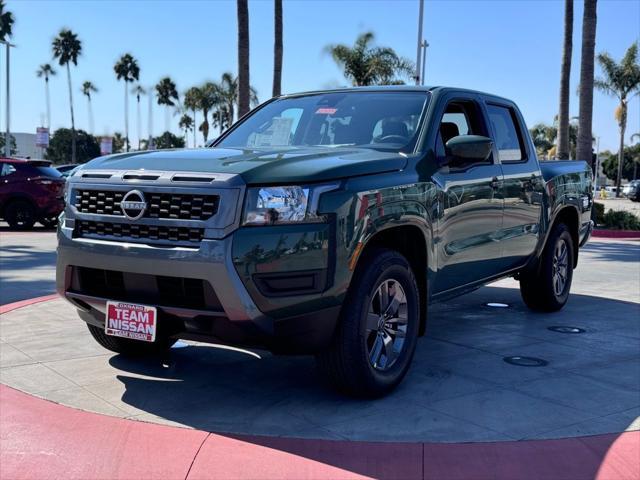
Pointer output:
x,y
166,92
365,64
59,150
597,213
544,138
66,47
127,68
168,140
6,22
13,149
621,220
630,165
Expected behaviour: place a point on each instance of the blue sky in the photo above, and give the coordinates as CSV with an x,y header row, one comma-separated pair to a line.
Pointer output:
x,y
508,47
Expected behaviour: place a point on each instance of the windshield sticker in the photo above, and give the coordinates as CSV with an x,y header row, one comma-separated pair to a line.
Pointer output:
x,y
326,111
278,134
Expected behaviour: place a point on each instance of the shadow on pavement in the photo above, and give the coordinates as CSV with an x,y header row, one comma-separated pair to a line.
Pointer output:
x,y
459,388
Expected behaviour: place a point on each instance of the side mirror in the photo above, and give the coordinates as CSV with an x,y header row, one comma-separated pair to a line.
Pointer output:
x,y
465,149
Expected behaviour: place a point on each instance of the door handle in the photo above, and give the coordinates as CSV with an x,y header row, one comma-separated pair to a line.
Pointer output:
x,y
495,183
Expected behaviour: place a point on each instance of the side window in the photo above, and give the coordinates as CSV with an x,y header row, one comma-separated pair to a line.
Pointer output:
x,y
460,118
507,135
7,169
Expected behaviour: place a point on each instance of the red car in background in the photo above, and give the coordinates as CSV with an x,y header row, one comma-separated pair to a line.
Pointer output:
x,y
30,191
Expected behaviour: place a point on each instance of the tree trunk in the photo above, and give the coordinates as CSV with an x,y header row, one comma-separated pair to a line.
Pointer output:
x,y
277,49
623,127
73,123
138,120
585,136
243,57
565,75
194,128
90,113
205,125
126,116
46,93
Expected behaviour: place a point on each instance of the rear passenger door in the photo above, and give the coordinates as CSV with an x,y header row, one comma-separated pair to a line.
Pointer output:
x,y
471,214
522,187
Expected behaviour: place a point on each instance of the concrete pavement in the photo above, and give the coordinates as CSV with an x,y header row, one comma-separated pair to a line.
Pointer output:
x,y
459,389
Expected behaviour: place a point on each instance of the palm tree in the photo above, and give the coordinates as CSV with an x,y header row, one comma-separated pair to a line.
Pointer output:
x,y
209,98
622,81
138,91
228,92
277,49
166,92
87,89
6,30
243,58
585,135
46,71
192,102
126,69
6,22
364,64
67,48
186,124
565,75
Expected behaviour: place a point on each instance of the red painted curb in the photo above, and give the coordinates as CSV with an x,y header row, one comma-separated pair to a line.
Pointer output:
x,y
616,233
43,440
8,307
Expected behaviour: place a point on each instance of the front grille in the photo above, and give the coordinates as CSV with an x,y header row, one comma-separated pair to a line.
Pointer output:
x,y
84,228
143,288
177,206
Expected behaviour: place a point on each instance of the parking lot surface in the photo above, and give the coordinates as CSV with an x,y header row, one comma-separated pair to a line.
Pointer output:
x,y
459,389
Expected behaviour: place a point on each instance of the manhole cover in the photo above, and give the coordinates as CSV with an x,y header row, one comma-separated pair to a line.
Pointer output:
x,y
526,361
497,305
564,329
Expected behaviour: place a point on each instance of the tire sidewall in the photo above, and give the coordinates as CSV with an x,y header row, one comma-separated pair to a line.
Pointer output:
x,y
394,267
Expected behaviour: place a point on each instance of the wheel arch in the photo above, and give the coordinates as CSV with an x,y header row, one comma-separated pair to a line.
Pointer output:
x,y
571,218
411,241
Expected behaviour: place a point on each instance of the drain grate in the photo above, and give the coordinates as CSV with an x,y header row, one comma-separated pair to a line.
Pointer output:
x,y
526,361
565,329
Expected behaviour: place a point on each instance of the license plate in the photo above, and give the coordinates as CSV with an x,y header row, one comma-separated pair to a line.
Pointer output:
x,y
128,320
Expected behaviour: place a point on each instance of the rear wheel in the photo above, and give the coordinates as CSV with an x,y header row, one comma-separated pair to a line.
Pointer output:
x,y
132,348
547,288
376,337
20,214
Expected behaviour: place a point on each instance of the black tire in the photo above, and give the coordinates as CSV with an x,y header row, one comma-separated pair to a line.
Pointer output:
x,y
50,222
541,289
346,363
130,348
20,214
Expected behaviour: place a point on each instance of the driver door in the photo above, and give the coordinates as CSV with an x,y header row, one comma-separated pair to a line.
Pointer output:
x,y
471,205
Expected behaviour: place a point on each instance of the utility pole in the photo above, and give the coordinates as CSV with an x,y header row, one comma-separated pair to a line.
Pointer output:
x,y
418,55
7,138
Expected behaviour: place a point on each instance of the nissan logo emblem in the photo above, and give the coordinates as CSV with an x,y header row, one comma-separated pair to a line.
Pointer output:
x,y
133,205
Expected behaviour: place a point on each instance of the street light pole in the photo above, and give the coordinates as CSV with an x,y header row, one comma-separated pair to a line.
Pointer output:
x,y
418,55
425,44
7,138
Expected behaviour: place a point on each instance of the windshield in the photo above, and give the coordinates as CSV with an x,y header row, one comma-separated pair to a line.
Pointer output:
x,y
380,120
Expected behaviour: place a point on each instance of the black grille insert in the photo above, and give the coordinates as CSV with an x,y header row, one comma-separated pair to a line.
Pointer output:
x,y
177,206
84,228
147,289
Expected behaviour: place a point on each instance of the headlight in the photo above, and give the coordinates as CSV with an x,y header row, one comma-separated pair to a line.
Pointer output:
x,y
278,205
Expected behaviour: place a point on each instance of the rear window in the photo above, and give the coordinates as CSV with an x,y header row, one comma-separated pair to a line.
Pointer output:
x,y
48,172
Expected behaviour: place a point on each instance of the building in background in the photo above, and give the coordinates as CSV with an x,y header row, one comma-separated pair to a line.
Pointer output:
x,y
26,145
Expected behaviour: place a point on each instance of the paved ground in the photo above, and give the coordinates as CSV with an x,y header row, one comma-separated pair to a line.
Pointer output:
x,y
459,389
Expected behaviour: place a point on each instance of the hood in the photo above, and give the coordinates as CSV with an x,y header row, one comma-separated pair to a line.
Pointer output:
x,y
260,166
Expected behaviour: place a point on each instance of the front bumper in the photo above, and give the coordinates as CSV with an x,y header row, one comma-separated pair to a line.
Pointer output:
x,y
237,320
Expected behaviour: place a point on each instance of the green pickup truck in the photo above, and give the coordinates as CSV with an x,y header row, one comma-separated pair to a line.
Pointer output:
x,y
322,223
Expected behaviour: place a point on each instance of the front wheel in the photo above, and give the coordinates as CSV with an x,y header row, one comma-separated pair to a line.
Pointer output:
x,y
547,288
378,329
127,347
